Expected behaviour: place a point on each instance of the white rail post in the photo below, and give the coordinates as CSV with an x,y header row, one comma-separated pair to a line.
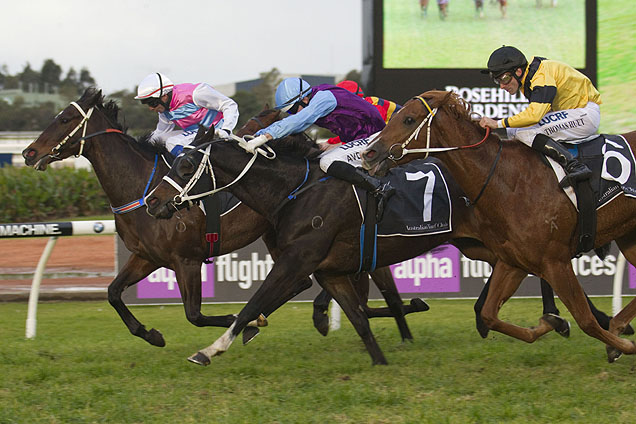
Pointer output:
x,y
334,316
35,288
617,299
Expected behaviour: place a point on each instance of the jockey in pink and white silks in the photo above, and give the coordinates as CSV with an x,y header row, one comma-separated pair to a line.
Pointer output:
x,y
182,108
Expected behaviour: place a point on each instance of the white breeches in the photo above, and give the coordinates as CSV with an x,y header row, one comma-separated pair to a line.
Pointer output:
x,y
348,152
571,125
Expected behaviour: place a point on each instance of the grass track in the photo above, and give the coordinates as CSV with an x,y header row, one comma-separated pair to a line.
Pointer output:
x,y
84,367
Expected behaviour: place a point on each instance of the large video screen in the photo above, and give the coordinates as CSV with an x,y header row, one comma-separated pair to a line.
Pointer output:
x,y
412,46
460,34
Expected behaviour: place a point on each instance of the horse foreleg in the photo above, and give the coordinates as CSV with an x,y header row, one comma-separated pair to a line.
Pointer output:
x,y
482,328
287,270
504,281
284,294
131,273
188,274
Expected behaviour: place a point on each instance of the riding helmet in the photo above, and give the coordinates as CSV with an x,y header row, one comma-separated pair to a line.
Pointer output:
x,y
154,85
291,91
504,59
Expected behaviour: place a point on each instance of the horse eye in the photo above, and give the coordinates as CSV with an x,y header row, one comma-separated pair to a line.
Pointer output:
x,y
409,120
65,120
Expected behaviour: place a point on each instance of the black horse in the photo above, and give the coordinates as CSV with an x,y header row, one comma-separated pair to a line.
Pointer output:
x,y
317,233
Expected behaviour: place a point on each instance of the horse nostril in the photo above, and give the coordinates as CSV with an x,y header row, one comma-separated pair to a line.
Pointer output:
x,y
152,201
369,154
28,153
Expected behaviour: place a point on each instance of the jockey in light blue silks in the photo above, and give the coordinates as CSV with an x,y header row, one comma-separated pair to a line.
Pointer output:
x,y
343,113
185,107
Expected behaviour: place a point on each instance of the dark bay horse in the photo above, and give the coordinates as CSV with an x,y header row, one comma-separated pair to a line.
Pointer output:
x,y
382,276
524,217
124,167
317,232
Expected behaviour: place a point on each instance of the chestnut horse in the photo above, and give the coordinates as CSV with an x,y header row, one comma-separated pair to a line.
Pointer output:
x,y
124,168
524,217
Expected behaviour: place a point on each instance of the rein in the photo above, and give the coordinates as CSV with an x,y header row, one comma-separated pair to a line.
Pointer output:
x,y
206,165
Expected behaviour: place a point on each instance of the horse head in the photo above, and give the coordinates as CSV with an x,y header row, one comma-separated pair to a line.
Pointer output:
x,y
425,124
65,136
263,120
184,178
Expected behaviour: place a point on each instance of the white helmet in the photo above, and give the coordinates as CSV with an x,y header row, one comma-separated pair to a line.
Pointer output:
x,y
154,85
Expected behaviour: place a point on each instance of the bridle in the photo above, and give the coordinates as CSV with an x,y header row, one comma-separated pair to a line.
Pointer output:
x,y
428,121
205,165
55,151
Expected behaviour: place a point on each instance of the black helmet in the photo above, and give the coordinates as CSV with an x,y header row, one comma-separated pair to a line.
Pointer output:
x,y
504,59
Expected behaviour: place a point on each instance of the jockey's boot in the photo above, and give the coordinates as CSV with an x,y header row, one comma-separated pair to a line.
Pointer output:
x,y
575,171
381,191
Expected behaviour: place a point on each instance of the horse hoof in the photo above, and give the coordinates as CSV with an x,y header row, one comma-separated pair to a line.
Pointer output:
x,y
261,321
321,321
629,330
419,305
482,328
560,325
612,354
155,338
249,333
199,359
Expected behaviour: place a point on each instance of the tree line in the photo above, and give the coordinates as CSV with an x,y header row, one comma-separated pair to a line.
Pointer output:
x,y
50,79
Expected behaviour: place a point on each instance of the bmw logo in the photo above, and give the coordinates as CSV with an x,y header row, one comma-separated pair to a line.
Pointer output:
x,y
98,227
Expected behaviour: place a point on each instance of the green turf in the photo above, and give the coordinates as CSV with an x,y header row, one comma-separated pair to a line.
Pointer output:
x,y
84,367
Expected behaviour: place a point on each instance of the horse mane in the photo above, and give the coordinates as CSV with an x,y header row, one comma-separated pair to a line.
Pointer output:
x,y
94,97
300,145
452,103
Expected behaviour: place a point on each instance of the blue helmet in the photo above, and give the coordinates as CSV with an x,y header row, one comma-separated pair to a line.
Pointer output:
x,y
290,91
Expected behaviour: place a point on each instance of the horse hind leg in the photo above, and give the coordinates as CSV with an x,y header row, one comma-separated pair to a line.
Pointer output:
x,y
573,296
131,273
342,291
384,280
620,323
320,315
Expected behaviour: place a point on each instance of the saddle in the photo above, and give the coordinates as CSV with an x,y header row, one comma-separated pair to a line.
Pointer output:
x,y
611,160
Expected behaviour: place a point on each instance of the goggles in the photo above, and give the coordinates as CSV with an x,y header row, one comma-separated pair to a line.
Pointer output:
x,y
504,78
294,108
151,101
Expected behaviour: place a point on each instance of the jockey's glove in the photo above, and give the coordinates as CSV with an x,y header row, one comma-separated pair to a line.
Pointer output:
x,y
251,145
222,133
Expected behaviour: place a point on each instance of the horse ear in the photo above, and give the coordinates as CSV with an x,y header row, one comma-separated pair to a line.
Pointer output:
x,y
200,135
267,106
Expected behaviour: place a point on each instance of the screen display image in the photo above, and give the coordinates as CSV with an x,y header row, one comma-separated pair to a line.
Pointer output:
x,y
455,34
